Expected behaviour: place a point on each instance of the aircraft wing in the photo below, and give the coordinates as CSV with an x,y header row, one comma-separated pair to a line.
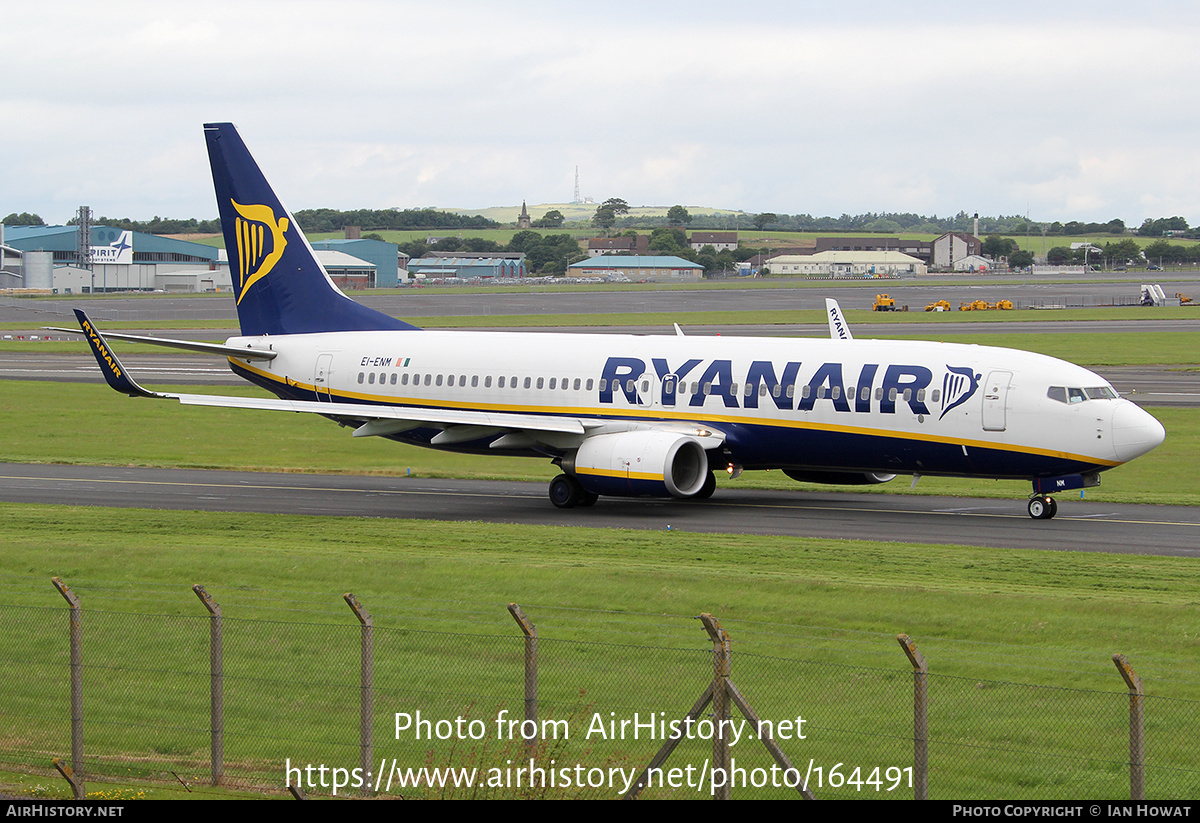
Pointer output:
x,y
458,424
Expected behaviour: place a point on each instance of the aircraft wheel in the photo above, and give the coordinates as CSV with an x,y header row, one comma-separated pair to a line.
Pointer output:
x,y
587,498
565,492
1042,508
706,491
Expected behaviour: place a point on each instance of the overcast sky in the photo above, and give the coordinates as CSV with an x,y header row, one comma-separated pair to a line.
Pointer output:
x,y
1062,110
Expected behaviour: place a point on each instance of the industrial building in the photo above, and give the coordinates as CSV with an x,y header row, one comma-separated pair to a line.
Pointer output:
x,y
49,257
847,264
466,265
637,267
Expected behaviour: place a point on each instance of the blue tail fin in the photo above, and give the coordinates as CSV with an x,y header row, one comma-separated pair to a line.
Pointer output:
x,y
280,286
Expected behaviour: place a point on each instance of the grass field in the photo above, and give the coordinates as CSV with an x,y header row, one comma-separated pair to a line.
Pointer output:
x,y
813,624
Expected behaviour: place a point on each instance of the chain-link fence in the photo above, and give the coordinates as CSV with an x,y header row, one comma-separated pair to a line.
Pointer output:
x,y
656,708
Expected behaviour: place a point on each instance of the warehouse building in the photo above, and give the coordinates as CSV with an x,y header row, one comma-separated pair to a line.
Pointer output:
x,y
120,260
637,267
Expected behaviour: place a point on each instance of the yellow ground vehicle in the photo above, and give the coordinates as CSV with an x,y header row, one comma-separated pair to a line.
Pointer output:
x,y
938,305
884,302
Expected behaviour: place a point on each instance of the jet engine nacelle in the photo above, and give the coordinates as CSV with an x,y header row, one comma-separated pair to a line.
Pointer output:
x,y
839,478
640,464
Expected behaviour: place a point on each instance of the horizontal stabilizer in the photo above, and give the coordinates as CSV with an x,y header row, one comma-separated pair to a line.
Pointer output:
x,y
241,352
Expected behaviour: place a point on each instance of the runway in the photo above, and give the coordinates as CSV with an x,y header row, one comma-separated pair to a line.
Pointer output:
x,y
1091,526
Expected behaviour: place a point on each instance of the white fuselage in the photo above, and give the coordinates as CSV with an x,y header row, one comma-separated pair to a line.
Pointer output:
x,y
859,405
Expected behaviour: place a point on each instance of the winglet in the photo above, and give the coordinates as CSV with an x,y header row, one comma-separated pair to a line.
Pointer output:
x,y
838,328
110,366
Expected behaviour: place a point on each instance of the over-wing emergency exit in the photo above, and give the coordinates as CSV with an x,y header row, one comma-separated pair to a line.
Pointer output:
x,y
633,415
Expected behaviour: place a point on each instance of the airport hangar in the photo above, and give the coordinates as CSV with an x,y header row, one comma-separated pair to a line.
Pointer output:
x,y
48,258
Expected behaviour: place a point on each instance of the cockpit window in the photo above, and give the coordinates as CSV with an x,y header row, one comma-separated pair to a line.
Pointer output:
x,y
1071,396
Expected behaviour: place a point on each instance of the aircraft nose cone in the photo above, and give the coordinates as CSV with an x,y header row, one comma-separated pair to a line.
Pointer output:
x,y
1135,432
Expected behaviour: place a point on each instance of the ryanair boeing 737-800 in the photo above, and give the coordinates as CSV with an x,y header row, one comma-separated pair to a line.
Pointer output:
x,y
633,415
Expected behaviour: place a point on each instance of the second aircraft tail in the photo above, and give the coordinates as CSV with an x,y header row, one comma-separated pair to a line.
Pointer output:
x,y
280,286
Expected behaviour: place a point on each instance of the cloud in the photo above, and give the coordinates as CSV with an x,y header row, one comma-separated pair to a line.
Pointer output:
x,y
1069,110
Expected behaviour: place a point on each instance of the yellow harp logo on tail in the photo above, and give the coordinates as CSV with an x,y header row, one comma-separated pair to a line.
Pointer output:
x,y
257,254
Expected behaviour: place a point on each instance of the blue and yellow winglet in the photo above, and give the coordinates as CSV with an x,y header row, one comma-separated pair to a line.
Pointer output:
x,y
110,366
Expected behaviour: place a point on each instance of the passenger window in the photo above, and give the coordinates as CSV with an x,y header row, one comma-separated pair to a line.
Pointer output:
x,y
528,382
907,395
892,395
806,392
500,383
837,392
879,393
404,379
603,384
936,396
791,392
371,378
541,382
393,380
439,380
577,384
487,381
589,384
474,380
865,394
429,379
645,385
708,388
553,382
360,377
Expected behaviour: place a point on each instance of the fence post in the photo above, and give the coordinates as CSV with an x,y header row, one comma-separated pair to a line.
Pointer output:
x,y
77,773
920,717
216,670
1137,751
531,673
722,670
366,711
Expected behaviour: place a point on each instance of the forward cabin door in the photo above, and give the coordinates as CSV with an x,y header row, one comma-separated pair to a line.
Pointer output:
x,y
995,400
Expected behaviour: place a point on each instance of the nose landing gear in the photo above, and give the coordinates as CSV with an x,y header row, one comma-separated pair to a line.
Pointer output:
x,y
1042,507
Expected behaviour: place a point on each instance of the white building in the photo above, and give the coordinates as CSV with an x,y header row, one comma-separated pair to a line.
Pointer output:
x,y
847,264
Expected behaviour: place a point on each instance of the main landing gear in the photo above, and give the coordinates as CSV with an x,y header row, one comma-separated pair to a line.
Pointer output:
x,y
1042,507
566,493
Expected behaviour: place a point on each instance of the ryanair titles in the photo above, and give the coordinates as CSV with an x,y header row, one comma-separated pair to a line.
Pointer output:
x,y
872,387
101,350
